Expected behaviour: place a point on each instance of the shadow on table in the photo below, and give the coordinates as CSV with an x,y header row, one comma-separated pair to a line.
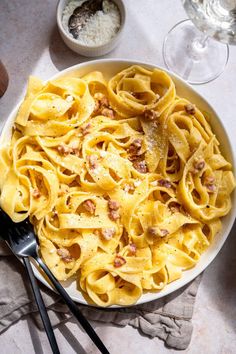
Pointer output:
x,y
61,56
71,339
223,276
36,342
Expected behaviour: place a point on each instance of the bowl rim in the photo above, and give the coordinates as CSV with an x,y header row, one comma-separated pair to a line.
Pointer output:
x,y
59,11
198,268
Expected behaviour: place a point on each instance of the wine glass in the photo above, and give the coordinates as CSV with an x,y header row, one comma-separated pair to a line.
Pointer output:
x,y
197,49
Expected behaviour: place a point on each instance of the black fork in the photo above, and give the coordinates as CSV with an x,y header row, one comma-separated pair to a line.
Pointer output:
x,y
22,240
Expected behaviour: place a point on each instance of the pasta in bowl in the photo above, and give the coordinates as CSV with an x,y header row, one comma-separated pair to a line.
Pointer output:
x,y
122,178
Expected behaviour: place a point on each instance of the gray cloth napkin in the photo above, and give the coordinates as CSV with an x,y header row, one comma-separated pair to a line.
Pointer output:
x,y
168,318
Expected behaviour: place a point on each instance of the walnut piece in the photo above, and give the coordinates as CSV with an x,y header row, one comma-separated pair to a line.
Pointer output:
x,y
113,204
64,149
101,102
151,114
119,261
152,231
108,233
85,129
190,108
132,248
164,232
198,165
114,215
211,188
209,180
93,161
108,112
90,206
36,193
135,146
174,207
64,255
164,183
140,166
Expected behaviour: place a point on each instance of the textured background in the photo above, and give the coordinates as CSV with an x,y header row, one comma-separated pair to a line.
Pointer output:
x,y
30,44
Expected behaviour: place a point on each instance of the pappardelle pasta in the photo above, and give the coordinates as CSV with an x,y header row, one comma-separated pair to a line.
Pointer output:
x,y
124,181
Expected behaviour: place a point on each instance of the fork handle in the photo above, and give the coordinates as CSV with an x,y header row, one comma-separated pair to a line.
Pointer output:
x,y
73,308
41,307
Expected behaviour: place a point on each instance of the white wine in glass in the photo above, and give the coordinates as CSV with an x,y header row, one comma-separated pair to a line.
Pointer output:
x,y
197,49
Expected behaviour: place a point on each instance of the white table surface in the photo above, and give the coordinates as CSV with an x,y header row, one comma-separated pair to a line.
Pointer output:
x,y
30,44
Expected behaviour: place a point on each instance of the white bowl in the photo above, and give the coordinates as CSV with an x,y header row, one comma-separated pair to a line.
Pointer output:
x,y
110,67
90,51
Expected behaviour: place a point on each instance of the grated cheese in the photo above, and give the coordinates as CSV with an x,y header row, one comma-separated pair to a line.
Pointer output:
x,y
100,28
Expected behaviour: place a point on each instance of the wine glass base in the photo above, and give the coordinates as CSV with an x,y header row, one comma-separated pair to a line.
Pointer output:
x,y
195,62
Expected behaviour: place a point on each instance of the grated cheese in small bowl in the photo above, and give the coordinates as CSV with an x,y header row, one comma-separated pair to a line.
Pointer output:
x,y
98,33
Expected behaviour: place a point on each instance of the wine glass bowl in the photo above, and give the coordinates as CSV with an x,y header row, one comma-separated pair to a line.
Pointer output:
x,y
197,49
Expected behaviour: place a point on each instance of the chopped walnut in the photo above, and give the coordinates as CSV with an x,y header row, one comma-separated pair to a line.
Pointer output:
x,y
135,146
198,165
93,161
36,193
90,206
76,151
114,215
132,248
113,204
164,232
102,99
101,102
174,207
133,157
119,261
108,112
85,129
211,188
164,183
151,114
209,180
64,149
140,166
64,255
152,231
108,233
190,108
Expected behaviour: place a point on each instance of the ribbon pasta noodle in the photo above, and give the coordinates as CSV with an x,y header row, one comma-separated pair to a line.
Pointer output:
x,y
124,181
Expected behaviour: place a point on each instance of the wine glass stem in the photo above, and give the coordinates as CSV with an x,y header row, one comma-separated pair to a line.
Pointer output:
x,y
202,41
195,52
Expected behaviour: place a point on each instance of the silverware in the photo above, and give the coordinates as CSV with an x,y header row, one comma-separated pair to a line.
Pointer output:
x,y
21,238
35,288
41,307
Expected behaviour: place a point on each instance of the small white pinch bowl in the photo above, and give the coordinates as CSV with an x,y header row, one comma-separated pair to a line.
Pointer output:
x,y
85,50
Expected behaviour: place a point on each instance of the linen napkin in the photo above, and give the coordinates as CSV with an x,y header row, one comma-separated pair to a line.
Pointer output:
x,y
168,318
